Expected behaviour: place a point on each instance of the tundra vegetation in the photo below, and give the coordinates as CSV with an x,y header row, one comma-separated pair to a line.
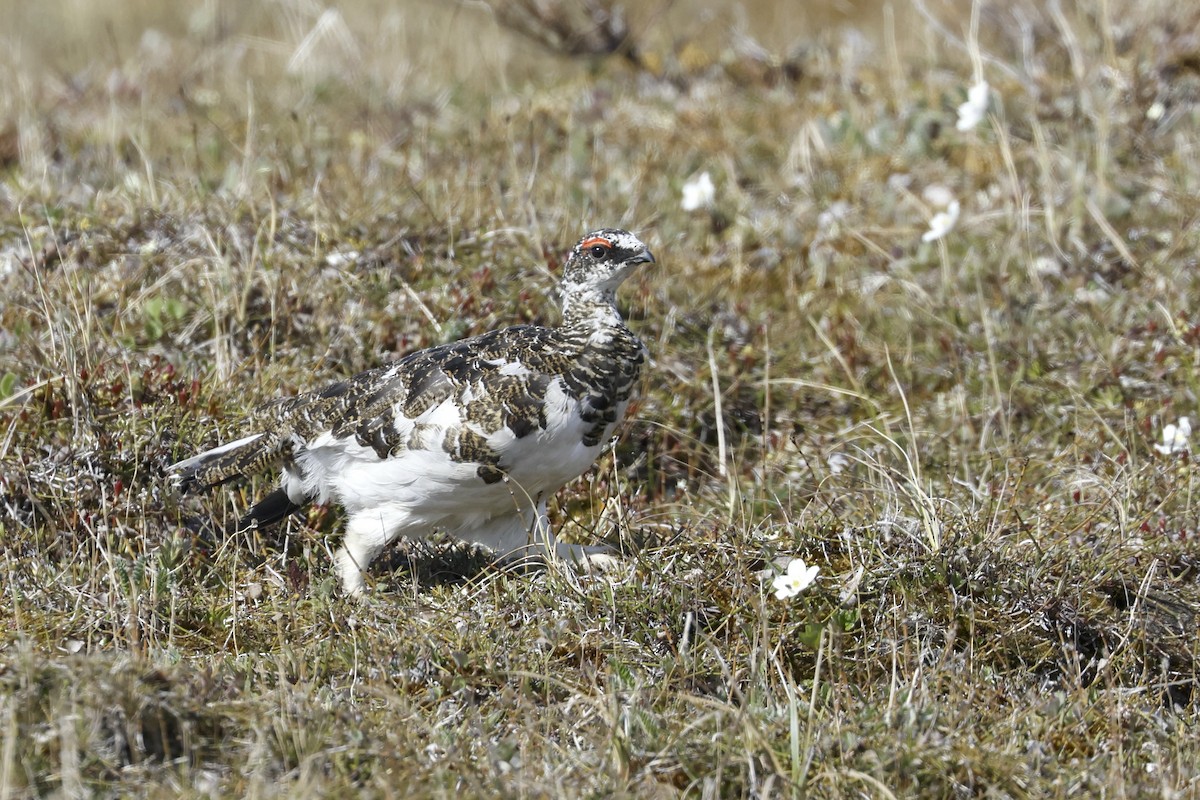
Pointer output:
x,y
933,337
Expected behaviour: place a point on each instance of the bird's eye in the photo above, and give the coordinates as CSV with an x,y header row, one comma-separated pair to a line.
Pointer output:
x,y
598,251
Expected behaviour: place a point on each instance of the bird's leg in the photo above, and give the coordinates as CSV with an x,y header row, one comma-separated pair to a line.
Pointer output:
x,y
367,533
526,534
544,538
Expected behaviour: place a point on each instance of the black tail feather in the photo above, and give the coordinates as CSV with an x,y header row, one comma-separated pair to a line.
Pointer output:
x,y
271,509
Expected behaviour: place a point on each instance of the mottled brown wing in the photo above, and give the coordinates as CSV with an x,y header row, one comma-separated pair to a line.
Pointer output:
x,y
365,406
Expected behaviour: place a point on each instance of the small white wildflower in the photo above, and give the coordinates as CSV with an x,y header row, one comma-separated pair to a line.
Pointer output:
x,y
1092,295
699,192
938,195
341,259
942,223
1155,112
828,219
971,112
1175,437
799,576
1047,267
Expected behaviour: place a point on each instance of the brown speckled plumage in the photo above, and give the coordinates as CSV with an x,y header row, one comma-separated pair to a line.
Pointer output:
x,y
471,401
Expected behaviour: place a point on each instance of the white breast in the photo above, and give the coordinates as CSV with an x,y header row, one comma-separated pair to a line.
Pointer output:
x,y
545,460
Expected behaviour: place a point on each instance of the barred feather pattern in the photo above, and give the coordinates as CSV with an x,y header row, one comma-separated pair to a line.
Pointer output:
x,y
472,373
471,403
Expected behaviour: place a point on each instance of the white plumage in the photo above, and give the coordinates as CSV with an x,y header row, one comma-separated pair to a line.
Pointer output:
x,y
471,438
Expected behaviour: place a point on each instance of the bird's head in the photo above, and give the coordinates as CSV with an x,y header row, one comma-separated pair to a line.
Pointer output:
x,y
601,260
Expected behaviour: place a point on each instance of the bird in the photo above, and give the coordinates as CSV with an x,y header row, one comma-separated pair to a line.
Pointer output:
x,y
471,437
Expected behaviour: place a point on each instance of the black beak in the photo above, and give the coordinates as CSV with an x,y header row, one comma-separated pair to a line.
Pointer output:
x,y
644,257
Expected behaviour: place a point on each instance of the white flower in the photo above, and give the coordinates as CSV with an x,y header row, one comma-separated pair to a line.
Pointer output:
x,y
938,195
828,219
1092,295
1047,267
837,463
1175,437
942,223
342,259
799,576
971,112
699,192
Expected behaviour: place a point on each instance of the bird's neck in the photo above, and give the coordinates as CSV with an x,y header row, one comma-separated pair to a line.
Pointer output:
x,y
591,309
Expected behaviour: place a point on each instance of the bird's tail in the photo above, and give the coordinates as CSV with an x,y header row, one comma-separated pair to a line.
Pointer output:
x,y
271,509
232,460
216,466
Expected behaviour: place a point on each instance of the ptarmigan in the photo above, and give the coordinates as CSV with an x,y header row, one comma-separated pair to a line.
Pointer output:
x,y
470,437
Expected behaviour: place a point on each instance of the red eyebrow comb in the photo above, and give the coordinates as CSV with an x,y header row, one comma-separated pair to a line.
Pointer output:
x,y
600,240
